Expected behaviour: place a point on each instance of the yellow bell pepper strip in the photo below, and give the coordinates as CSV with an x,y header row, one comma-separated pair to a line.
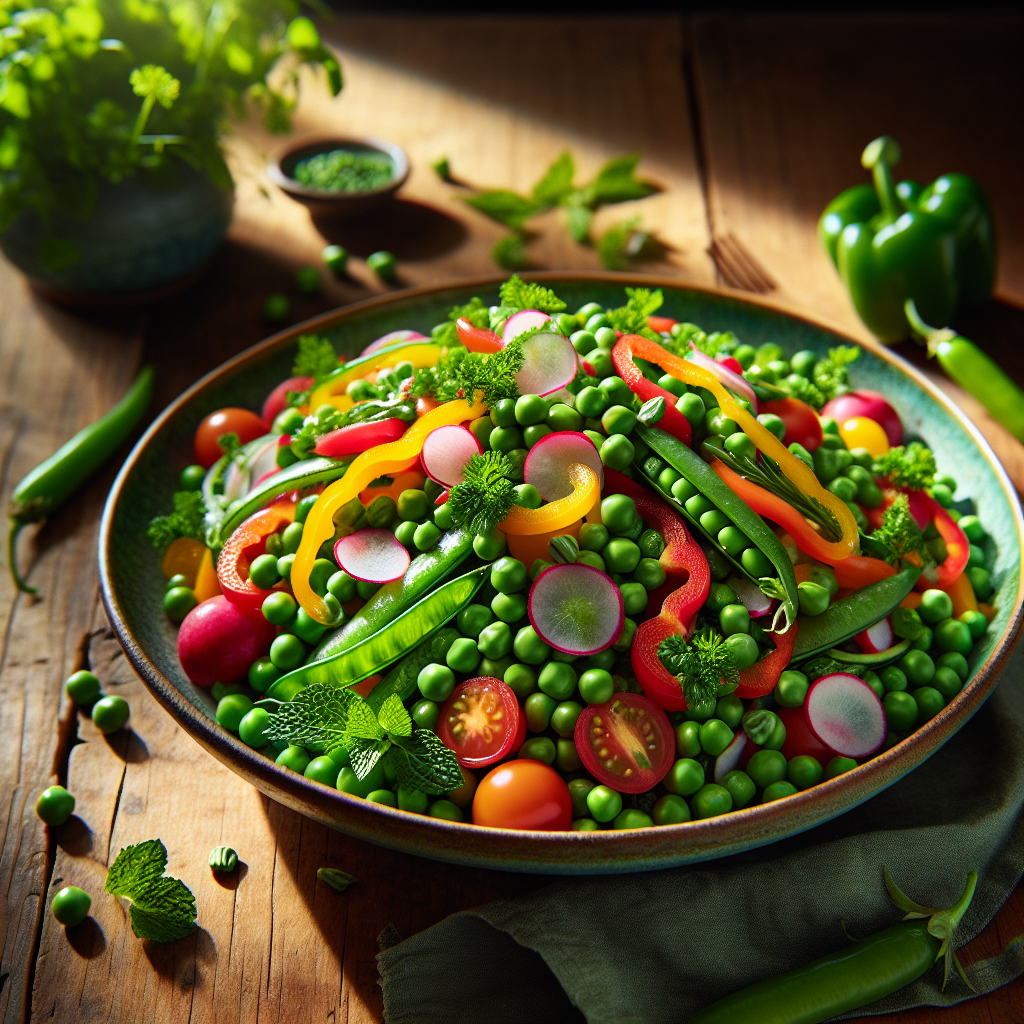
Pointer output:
x,y
527,548
556,515
183,557
962,595
331,391
795,471
399,482
380,461
851,572
207,584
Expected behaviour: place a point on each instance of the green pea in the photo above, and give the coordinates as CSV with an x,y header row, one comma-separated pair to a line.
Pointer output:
x,y
734,618
287,652
578,790
672,385
495,640
231,710
55,805
923,642
306,628
776,791
590,402
291,538
617,452
936,605
596,686
741,446
463,656
436,682
688,741
539,748
349,782
766,767
682,490
562,417
729,709
564,718
744,650
604,803
503,413
839,766
719,596
952,635
625,641
973,530
70,906
632,817
82,687
489,546
875,683
583,341
981,582
521,679
791,689
955,661
603,659
843,488
531,435
178,602
618,419
804,771
473,618
732,540
691,406
495,667
509,575
606,337
929,703
413,505
178,580
711,800
253,726
893,679
530,409
191,478
667,478
567,758
900,710
622,555
814,598
557,680
698,505
947,682
715,736
294,757
263,571
541,564
529,648
342,586
774,423
975,622
597,320
262,673
714,521
538,709
584,825
700,712
744,355
670,810
425,713
917,667
445,810
740,786
649,574
219,690
634,597
481,429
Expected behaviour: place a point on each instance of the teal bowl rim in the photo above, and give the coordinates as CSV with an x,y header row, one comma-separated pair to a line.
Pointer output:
x,y
560,852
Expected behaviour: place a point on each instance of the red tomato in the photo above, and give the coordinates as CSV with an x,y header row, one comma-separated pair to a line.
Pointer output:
x,y
217,641
799,738
481,722
246,424
627,743
523,794
277,400
802,423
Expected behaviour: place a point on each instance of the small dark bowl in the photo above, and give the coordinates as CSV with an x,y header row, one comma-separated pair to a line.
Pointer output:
x,y
337,202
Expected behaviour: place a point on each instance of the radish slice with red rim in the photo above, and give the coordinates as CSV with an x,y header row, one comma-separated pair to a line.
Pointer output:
x,y
751,597
844,713
576,609
547,465
734,381
549,364
521,322
729,758
876,638
374,556
446,451
391,338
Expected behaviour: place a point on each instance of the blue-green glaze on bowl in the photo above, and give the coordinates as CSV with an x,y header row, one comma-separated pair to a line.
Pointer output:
x,y
133,585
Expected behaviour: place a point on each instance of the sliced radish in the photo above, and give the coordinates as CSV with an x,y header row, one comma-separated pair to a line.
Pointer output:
x,y
446,452
520,323
547,465
391,337
733,381
549,364
843,712
576,608
757,603
876,638
374,556
729,758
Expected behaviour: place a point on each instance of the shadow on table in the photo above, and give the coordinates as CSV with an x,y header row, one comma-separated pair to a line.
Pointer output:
x,y
87,939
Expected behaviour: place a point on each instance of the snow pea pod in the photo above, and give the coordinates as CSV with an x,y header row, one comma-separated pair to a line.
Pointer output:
x,y
853,614
393,598
685,461
52,482
877,659
401,680
394,641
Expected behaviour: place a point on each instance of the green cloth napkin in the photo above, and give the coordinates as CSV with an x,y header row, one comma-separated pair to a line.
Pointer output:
x,y
659,946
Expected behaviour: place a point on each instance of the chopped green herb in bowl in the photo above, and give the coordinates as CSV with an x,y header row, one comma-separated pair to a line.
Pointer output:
x,y
342,170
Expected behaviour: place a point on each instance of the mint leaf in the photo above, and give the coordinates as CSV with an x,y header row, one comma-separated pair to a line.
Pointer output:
x,y
317,717
362,724
393,717
162,908
510,252
423,762
557,181
578,220
363,755
504,206
615,182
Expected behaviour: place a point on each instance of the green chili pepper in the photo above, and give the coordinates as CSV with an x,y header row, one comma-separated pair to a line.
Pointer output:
x,y
871,660
394,641
891,243
974,371
401,680
853,614
854,976
395,597
707,482
52,482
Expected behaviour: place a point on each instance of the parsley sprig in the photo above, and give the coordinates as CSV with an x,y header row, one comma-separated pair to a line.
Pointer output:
x,y
912,466
185,521
704,667
474,311
486,494
332,719
460,374
518,294
899,535
632,317
315,358
162,908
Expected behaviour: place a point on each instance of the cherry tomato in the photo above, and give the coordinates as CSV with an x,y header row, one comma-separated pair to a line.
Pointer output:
x,y
802,423
481,722
870,404
277,400
242,547
799,738
246,424
661,324
477,339
523,794
864,432
626,743
730,363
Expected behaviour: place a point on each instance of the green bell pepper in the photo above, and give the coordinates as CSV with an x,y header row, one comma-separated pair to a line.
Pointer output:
x,y
890,243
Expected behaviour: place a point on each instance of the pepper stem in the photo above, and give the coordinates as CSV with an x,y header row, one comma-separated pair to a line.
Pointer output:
x,y
941,923
932,336
877,157
17,525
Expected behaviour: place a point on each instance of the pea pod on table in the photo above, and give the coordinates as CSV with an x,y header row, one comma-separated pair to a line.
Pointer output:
x,y
693,468
394,641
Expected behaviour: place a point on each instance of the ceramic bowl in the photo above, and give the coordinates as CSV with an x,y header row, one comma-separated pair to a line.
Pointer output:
x,y
133,584
330,202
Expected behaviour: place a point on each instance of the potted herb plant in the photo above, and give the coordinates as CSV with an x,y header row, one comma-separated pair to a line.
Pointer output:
x,y
112,178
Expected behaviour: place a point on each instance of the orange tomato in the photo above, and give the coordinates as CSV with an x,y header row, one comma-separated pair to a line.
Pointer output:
x,y
243,422
523,794
183,557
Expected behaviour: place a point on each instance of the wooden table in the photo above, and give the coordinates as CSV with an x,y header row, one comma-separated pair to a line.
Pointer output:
x,y
750,125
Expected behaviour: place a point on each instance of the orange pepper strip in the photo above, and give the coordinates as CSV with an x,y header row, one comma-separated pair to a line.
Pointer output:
x,y
912,600
796,471
381,460
333,389
586,493
761,677
962,594
852,571
207,584
183,557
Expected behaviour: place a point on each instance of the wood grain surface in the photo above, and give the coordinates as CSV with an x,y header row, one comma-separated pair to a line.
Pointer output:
x,y
748,125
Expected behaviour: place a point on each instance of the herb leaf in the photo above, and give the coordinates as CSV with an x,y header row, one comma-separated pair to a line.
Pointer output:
x,y
506,207
363,755
912,466
616,182
486,494
515,292
393,717
701,666
162,908
632,317
899,535
316,358
556,183
316,717
423,762
185,521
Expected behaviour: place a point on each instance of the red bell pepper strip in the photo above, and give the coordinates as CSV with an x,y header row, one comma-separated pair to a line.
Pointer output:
x,y
918,509
761,677
958,548
661,324
242,547
689,577
477,339
673,422
359,437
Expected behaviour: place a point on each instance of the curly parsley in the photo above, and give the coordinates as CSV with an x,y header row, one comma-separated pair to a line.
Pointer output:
x,y
912,466
899,535
486,494
632,317
185,521
701,666
519,295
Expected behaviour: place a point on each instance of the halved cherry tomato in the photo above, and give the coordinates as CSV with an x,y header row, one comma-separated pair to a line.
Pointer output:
x,y
477,339
242,547
800,739
243,422
802,423
627,743
359,437
523,794
481,722
277,400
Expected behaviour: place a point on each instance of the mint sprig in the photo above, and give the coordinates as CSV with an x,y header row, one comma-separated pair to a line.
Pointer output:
x,y
162,908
